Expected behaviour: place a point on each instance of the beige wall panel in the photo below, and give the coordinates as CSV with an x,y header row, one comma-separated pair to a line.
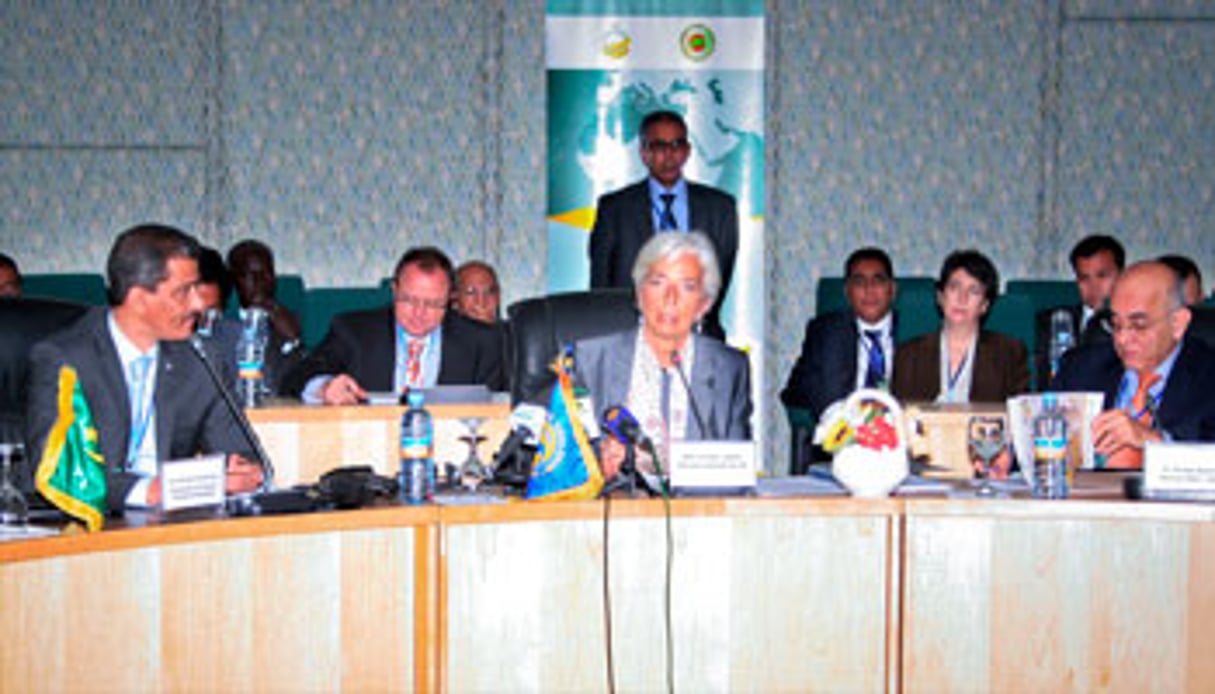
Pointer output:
x,y
26,588
377,610
207,621
297,613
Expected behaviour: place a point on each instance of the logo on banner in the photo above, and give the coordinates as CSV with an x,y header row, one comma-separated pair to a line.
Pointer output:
x,y
617,44
697,42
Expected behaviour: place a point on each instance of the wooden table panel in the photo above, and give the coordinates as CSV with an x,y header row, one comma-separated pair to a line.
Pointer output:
x,y
1001,601
755,603
304,441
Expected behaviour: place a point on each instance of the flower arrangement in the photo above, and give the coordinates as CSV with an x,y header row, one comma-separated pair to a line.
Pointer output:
x,y
865,434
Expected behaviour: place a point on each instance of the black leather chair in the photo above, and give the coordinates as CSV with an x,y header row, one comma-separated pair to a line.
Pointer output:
x,y
1202,325
539,327
22,323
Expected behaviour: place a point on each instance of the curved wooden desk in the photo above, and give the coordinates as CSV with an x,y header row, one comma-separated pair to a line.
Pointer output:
x,y
795,594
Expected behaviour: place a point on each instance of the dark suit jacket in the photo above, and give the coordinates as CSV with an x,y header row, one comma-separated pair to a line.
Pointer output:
x,y
624,221
826,369
720,380
363,344
191,416
1001,369
1093,333
1187,407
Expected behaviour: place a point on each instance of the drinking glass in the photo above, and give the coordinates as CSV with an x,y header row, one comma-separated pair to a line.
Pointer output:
x,y
473,472
13,509
985,440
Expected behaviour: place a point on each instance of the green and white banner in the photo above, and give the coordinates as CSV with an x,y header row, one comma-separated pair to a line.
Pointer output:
x,y
610,62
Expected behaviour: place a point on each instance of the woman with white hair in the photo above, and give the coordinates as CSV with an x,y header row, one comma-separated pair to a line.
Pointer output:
x,y
676,280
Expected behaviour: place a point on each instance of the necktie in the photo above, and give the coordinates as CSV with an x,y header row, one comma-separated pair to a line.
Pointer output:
x,y
413,363
141,411
667,218
1142,411
875,373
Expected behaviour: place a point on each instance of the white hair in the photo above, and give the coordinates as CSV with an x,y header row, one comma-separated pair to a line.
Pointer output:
x,y
673,244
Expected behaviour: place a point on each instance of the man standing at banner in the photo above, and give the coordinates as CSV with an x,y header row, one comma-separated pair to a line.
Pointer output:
x,y
664,201
150,396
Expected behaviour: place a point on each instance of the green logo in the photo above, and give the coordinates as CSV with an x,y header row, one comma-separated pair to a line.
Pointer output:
x,y
697,42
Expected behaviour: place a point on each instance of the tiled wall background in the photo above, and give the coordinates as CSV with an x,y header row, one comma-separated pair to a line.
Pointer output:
x,y
343,132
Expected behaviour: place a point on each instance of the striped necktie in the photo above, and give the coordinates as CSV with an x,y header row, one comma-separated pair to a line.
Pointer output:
x,y
1143,410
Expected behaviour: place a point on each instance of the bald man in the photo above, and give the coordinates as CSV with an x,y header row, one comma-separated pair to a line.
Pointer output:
x,y
1158,384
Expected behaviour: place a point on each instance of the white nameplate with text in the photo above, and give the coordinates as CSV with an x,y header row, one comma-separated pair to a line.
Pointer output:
x,y
709,464
1179,471
192,482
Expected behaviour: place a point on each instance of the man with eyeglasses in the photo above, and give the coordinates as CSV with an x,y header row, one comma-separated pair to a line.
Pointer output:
x,y
477,294
851,348
1158,383
414,343
664,202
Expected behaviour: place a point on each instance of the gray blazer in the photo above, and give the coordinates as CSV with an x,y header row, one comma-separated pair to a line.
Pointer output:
x,y
720,380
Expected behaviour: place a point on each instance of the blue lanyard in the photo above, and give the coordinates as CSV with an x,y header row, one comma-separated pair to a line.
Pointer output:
x,y
953,377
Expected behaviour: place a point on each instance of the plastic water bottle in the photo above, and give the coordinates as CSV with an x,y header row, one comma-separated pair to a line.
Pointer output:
x,y
1050,451
1062,337
251,357
417,477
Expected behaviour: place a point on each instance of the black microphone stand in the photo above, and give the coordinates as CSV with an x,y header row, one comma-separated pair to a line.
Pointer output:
x,y
627,477
238,414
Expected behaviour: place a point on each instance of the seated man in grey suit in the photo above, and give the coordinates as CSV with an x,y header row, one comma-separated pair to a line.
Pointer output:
x,y
664,201
414,343
1157,380
676,280
851,348
148,391
1097,261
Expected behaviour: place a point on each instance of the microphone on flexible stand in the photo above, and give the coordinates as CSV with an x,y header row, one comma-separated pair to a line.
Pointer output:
x,y
625,428
237,413
677,361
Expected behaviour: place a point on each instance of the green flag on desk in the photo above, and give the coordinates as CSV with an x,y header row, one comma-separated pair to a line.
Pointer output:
x,y
71,471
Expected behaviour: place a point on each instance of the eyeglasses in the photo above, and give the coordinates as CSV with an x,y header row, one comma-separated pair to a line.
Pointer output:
x,y
419,302
863,281
664,146
478,291
1136,325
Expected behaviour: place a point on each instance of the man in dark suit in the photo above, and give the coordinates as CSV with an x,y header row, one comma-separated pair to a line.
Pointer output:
x,y
835,359
1157,381
149,394
1096,261
852,348
415,343
664,201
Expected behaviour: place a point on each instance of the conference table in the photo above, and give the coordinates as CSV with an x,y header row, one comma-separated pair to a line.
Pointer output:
x,y
767,594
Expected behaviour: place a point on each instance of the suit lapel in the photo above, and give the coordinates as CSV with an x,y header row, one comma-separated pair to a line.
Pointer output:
x,y
703,380
108,402
168,384
621,357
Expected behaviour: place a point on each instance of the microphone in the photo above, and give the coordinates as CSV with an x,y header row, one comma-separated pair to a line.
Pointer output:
x,y
237,413
677,361
623,426
513,460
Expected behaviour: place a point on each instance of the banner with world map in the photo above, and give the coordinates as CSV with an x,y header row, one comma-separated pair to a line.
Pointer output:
x,y
610,62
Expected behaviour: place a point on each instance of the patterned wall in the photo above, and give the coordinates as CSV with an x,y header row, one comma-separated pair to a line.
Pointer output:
x,y
344,131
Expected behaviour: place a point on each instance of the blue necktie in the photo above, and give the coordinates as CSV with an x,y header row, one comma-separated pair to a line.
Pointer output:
x,y
667,218
141,412
875,374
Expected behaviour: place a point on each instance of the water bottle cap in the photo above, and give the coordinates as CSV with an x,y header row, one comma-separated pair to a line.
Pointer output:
x,y
415,398
1050,400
